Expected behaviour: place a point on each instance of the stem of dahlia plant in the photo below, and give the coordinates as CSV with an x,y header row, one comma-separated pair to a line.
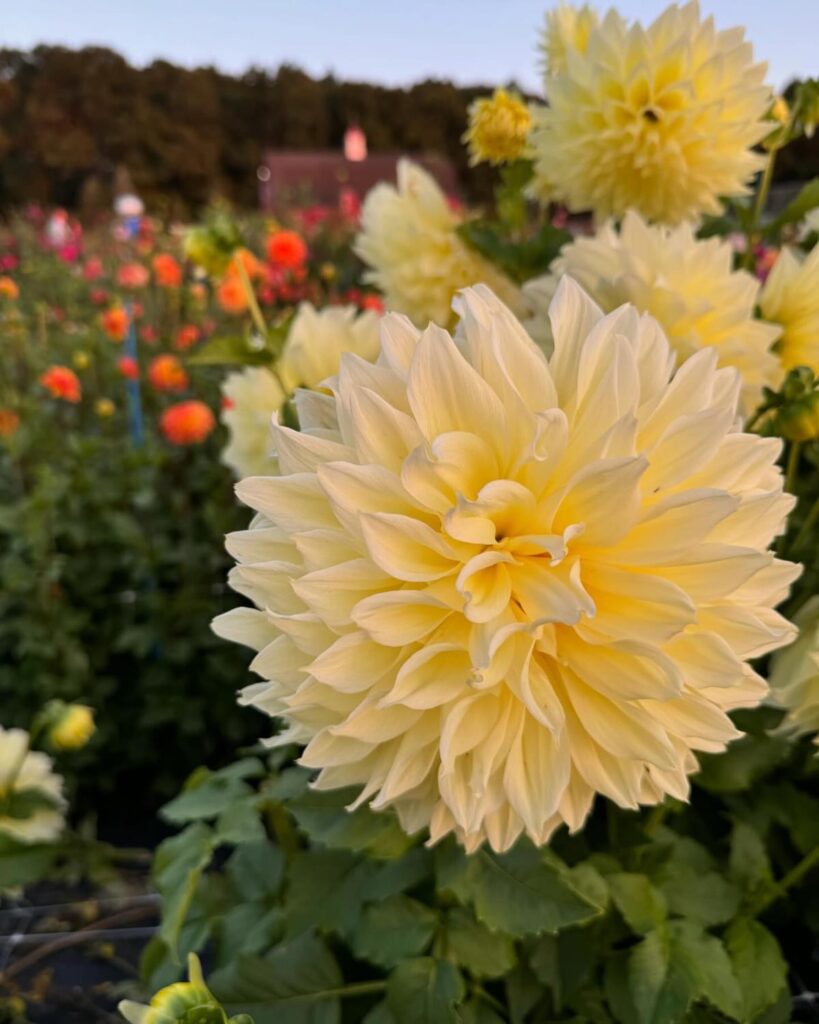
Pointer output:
x,y
792,878
807,526
258,318
361,988
252,303
793,466
762,192
481,993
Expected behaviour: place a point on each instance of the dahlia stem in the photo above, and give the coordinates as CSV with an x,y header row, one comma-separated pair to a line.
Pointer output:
x,y
792,878
793,466
807,526
252,302
763,190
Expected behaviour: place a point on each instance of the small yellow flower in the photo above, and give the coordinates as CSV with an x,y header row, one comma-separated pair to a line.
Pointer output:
x,y
104,408
73,726
81,360
498,128
328,272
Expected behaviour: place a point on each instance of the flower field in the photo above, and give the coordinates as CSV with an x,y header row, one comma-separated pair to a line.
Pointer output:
x,y
410,613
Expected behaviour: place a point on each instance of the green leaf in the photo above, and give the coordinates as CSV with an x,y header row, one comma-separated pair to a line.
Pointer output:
x,y
399,875
675,965
392,930
476,1011
797,209
248,928
484,953
749,865
642,905
240,823
206,795
256,870
564,962
659,990
232,350
758,963
25,863
425,990
742,764
379,1014
326,890
704,897
523,992
523,892
294,984
178,866
323,816
519,259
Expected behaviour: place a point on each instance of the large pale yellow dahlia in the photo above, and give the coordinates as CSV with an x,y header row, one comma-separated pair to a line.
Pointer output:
x,y
314,346
567,28
661,118
489,586
409,240
688,284
794,675
32,805
791,298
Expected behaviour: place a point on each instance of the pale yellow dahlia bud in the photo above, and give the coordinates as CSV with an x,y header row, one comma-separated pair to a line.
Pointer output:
x,y
72,726
180,1002
498,128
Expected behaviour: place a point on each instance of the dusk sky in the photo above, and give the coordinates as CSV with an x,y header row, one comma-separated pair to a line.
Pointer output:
x,y
470,41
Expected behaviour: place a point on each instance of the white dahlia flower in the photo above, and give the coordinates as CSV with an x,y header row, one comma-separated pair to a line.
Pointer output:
x,y
417,259
312,353
32,805
662,119
489,586
687,283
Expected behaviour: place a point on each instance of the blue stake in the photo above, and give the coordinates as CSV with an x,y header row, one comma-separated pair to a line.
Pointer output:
x,y
132,386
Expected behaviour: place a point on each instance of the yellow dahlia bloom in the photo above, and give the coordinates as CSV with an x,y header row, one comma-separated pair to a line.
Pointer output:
x,y
661,119
31,794
409,240
567,28
312,353
498,128
490,586
794,675
791,298
688,284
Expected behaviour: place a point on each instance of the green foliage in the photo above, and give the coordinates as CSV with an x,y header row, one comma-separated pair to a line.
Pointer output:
x,y
321,915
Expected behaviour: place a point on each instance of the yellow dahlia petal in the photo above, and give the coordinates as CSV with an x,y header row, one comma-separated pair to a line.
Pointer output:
x,y
790,298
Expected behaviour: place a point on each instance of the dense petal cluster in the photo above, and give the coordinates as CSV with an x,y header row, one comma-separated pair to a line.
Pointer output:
x,y
794,675
31,794
498,128
688,284
409,240
662,119
315,343
791,298
489,586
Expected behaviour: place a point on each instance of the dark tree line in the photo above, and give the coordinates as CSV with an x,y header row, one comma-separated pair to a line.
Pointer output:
x,y
74,122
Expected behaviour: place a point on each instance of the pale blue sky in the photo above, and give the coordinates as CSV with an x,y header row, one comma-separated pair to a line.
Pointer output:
x,y
391,41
